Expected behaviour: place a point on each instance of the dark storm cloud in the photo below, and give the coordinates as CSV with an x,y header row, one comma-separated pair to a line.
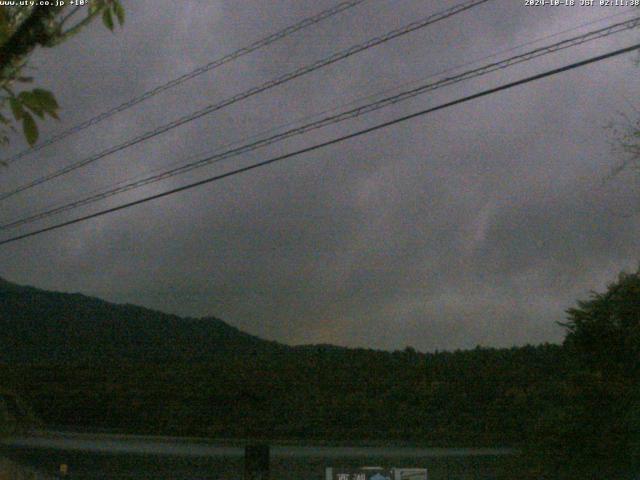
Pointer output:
x,y
476,225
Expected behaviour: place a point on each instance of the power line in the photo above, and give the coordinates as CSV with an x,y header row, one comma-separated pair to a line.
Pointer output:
x,y
327,143
253,91
61,206
188,76
616,28
332,119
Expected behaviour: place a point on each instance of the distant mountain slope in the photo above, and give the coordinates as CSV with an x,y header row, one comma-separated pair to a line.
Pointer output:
x,y
38,326
88,364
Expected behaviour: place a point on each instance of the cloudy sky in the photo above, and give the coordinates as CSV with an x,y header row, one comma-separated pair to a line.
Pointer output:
x,y
478,224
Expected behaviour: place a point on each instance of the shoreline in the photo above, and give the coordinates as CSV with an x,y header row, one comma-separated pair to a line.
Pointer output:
x,y
240,442
185,447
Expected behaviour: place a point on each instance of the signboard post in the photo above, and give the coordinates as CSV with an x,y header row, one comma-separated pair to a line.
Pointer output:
x,y
256,462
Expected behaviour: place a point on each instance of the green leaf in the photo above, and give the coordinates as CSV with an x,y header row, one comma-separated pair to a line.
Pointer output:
x,y
40,101
46,100
16,108
119,11
107,19
32,102
30,128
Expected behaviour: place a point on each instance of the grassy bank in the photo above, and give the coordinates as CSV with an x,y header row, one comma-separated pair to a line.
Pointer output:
x,y
13,471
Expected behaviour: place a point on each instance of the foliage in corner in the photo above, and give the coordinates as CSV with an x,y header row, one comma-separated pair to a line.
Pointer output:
x,y
22,29
604,331
594,425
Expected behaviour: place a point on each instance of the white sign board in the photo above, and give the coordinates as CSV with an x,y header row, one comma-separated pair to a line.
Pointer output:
x,y
376,473
410,474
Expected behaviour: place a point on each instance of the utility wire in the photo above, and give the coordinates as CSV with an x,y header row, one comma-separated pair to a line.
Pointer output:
x,y
327,143
251,92
188,76
332,119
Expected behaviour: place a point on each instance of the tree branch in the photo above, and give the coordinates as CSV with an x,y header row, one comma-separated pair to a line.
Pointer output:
x,y
62,36
32,32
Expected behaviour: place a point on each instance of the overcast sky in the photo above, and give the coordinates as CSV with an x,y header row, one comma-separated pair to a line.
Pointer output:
x,y
479,224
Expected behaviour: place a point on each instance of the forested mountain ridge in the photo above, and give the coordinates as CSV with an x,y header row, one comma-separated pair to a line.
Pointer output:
x,y
84,362
38,326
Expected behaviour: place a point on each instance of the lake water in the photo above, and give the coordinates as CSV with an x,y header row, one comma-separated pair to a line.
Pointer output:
x,y
94,457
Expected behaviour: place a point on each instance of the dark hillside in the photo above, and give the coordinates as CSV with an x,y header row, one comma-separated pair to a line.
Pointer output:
x,y
38,326
85,363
